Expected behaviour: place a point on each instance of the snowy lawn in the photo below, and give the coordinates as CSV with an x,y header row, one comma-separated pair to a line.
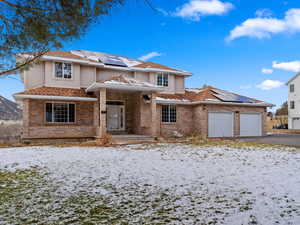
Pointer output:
x,y
150,184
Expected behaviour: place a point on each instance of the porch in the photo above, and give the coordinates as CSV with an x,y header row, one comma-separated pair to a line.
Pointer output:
x,y
126,113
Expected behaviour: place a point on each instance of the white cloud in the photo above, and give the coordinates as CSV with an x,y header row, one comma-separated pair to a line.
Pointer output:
x,y
194,9
162,11
264,13
293,66
244,87
149,56
270,84
264,27
267,71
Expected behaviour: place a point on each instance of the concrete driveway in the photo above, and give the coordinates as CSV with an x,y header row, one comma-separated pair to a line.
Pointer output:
x,y
280,139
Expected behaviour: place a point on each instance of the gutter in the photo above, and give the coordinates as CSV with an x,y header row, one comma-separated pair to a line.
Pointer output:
x,y
147,70
52,58
101,65
175,102
51,97
95,86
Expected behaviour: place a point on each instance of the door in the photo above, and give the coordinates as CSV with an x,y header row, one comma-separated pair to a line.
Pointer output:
x,y
250,124
220,124
296,123
115,117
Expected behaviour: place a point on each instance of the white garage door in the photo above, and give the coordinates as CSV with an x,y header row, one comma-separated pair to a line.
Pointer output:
x,y
220,124
296,123
250,124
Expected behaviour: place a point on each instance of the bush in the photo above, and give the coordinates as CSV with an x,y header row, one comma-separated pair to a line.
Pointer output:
x,y
10,132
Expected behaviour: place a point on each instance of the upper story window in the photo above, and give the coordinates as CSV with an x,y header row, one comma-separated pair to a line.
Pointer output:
x,y
63,70
292,88
162,79
60,112
168,114
292,105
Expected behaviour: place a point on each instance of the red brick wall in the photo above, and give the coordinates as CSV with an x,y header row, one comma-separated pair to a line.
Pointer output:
x,y
184,122
37,127
193,120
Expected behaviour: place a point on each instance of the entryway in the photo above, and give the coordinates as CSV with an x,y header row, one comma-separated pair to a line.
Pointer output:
x,y
115,115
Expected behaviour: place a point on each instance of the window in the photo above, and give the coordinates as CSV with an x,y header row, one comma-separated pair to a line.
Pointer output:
x,y
162,79
63,70
60,112
292,88
292,105
168,114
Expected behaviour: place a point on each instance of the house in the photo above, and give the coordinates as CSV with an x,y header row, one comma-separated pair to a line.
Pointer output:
x,y
293,102
83,94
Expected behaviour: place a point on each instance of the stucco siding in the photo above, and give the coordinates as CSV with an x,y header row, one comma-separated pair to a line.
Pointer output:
x,y
51,81
143,76
34,77
104,74
179,84
87,76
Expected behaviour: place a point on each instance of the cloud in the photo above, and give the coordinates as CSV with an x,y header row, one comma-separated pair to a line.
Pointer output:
x,y
265,27
195,9
264,13
244,87
163,12
270,84
149,56
267,71
293,66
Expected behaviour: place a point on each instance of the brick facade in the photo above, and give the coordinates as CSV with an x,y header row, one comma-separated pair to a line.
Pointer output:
x,y
191,120
35,125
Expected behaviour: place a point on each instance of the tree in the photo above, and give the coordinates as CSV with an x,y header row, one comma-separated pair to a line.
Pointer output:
x,y
40,25
283,110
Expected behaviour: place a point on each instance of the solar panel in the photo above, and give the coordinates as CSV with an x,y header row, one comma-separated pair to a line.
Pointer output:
x,y
112,60
230,97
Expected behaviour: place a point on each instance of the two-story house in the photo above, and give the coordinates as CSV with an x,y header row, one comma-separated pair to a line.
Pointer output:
x,y
84,94
294,102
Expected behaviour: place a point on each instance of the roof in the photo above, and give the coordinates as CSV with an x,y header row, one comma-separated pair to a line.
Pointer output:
x,y
154,65
208,95
293,78
105,59
53,91
124,83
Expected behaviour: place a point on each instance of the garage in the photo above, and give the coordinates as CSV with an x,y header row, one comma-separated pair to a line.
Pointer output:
x,y
250,124
296,123
220,124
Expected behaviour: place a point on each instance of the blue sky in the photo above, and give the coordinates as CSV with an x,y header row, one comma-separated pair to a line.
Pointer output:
x,y
224,43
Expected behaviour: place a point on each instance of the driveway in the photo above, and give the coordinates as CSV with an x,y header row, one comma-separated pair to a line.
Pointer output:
x,y
278,139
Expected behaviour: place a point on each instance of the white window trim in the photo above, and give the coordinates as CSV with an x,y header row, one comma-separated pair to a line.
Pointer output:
x,y
290,105
62,78
162,79
45,112
169,115
293,88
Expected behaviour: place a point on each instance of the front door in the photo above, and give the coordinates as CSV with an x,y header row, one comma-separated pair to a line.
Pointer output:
x,y
115,117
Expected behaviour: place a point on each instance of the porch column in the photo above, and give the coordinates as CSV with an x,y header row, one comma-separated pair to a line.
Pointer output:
x,y
102,111
26,115
153,115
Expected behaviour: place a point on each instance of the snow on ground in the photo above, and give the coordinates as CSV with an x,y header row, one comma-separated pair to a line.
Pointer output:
x,y
158,184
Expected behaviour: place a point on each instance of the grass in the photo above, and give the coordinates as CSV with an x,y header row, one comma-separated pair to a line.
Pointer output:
x,y
232,143
30,197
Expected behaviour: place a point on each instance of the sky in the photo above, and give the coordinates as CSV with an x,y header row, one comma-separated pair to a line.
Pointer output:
x,y
247,47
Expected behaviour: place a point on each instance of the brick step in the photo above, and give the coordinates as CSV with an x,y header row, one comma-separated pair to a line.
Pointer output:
x,y
131,139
